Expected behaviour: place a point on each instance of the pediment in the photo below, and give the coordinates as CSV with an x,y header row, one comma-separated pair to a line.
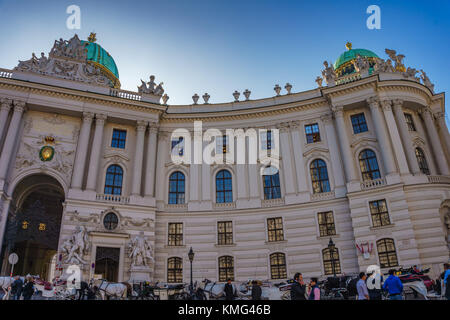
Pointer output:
x,y
315,150
365,141
116,156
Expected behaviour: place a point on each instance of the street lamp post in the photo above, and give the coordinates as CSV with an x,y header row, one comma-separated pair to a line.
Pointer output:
x,y
332,247
191,258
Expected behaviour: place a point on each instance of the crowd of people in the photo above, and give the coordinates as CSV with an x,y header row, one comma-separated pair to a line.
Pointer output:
x,y
19,288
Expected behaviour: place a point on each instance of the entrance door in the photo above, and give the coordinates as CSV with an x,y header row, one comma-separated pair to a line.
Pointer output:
x,y
33,227
107,263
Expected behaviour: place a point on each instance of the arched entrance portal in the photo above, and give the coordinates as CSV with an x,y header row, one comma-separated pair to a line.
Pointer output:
x,y
33,226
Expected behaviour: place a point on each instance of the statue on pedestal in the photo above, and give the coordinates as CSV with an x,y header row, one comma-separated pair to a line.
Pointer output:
x,y
76,246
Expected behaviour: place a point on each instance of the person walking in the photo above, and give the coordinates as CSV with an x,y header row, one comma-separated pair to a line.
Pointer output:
x,y
298,288
16,288
314,290
229,290
446,281
374,286
28,289
361,287
394,286
256,290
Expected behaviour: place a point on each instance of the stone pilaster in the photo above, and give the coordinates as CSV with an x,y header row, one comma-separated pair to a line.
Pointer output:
x,y
335,155
435,141
151,159
138,157
163,145
96,152
11,138
80,156
286,160
298,148
5,106
395,137
445,135
344,142
405,136
381,132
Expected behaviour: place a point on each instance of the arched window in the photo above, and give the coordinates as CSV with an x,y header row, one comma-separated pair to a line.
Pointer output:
x,y
226,268
113,181
331,263
386,253
174,270
422,161
278,266
176,188
224,188
369,165
110,221
319,176
271,182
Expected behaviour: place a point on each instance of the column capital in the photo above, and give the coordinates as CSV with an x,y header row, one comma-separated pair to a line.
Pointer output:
x,y
326,118
100,118
141,125
439,115
338,111
295,124
397,103
283,127
88,116
424,111
19,106
6,104
373,102
386,105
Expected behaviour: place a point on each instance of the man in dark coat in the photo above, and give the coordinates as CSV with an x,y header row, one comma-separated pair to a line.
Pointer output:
x,y
16,288
28,289
256,291
229,290
298,288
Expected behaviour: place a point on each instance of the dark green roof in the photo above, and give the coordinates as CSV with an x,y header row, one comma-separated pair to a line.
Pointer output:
x,y
101,58
351,54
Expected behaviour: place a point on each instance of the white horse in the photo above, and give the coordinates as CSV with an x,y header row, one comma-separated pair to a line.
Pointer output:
x,y
112,289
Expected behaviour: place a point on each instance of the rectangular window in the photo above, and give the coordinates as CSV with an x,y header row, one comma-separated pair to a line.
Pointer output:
x,y
379,213
118,138
326,224
224,232
275,229
359,123
175,237
410,122
267,140
312,133
178,146
221,144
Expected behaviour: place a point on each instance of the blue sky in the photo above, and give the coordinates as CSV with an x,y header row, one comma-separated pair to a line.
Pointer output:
x,y
198,46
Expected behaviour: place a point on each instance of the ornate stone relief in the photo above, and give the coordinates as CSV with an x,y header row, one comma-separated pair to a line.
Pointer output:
x,y
66,60
62,161
76,246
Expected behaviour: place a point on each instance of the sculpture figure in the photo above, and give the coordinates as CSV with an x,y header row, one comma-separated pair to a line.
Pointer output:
x,y
329,74
76,246
398,59
141,251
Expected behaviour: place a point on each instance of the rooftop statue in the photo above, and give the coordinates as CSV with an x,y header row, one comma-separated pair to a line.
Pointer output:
x,y
150,87
329,74
398,59
426,81
362,65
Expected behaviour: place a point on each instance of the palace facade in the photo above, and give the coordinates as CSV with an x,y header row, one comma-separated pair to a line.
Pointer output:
x,y
86,167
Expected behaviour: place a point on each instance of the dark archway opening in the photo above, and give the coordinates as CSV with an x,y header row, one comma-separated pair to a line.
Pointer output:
x,y
33,226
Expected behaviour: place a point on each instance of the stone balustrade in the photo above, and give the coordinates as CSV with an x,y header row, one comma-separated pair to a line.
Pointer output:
x,y
371,184
438,179
124,94
5,73
113,198
322,196
348,78
273,202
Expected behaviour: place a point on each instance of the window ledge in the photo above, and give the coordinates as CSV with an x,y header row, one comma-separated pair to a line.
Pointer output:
x,y
337,235
225,245
174,247
383,227
276,242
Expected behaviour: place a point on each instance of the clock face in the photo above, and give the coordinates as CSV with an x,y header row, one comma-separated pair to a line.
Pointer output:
x,y
46,153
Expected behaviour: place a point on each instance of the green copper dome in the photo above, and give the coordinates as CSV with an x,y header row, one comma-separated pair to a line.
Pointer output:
x,y
102,59
344,65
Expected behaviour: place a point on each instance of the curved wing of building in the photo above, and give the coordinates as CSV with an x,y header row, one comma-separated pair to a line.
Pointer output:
x,y
349,174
